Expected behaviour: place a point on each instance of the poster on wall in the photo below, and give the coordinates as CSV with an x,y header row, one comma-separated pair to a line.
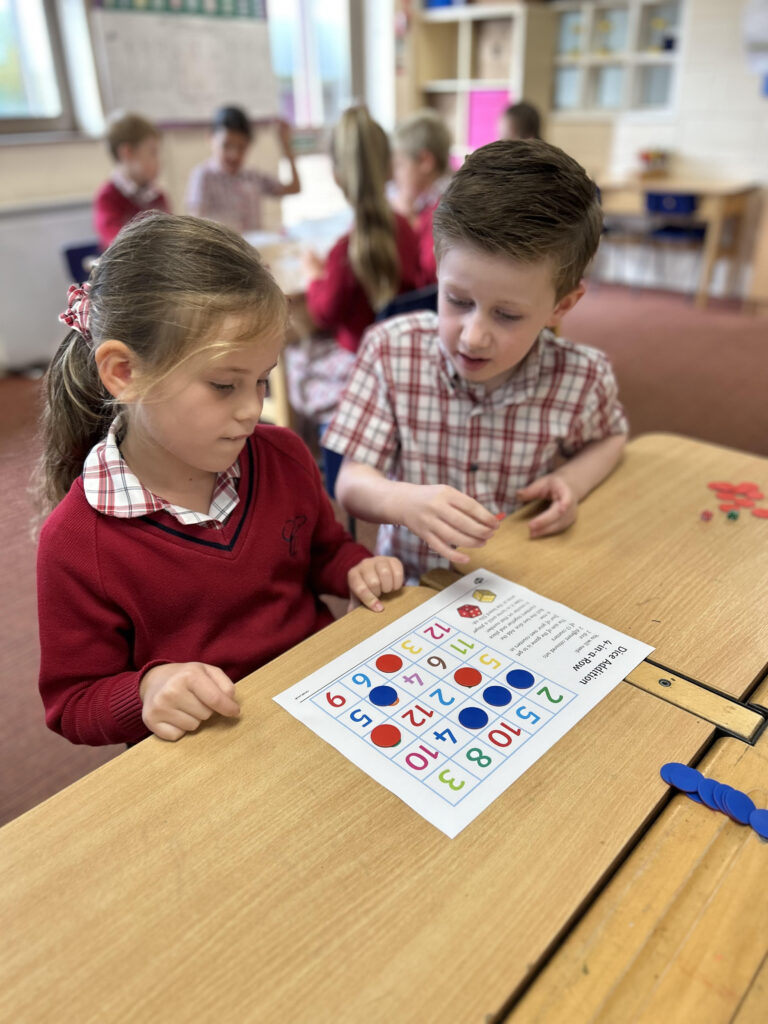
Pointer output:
x,y
176,61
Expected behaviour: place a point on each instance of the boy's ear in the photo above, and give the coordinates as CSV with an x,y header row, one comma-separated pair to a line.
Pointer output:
x,y
117,367
565,304
426,161
124,152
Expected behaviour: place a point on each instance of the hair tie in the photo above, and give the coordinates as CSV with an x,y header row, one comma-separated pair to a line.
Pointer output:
x,y
78,308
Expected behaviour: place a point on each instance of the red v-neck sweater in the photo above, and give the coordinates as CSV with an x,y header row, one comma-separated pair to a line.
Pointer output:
x,y
118,596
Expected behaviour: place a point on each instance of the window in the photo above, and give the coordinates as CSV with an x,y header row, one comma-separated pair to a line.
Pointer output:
x,y
33,87
311,57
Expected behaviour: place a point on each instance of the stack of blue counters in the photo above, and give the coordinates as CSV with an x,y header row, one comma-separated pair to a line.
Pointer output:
x,y
716,795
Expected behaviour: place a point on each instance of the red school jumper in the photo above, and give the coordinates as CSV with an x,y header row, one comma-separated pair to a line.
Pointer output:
x,y
112,210
118,596
424,234
337,301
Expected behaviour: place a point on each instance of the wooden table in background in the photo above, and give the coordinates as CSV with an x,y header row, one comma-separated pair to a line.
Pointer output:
x,y
717,201
252,873
758,285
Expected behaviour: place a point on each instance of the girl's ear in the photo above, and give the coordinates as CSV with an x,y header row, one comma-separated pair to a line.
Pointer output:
x,y
565,304
117,366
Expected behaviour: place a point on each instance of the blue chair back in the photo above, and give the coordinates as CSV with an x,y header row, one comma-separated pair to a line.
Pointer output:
x,y
331,466
670,202
674,219
411,302
79,257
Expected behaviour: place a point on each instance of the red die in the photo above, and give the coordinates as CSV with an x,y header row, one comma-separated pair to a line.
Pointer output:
x,y
469,611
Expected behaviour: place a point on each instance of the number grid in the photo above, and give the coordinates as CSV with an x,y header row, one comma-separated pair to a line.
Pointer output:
x,y
445,755
433,709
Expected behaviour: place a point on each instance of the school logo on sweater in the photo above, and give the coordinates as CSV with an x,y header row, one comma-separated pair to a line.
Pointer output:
x,y
290,528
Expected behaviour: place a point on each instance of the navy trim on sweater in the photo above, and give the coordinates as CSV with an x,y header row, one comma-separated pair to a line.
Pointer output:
x,y
242,508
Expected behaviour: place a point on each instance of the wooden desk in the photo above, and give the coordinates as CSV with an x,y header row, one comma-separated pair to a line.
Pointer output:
x,y
640,559
718,200
251,873
681,932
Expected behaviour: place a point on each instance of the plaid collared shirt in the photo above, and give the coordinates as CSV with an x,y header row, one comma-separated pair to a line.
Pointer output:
x,y
429,199
230,199
408,413
142,195
110,487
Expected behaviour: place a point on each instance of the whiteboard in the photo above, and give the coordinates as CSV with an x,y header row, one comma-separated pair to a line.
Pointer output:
x,y
177,68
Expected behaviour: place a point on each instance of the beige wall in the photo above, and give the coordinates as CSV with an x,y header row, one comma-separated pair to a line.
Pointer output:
x,y
589,142
41,172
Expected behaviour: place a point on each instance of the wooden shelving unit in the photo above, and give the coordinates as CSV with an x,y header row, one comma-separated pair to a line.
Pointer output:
x,y
615,56
468,61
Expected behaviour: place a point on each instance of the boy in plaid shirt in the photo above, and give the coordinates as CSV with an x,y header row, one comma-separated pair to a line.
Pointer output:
x,y
450,419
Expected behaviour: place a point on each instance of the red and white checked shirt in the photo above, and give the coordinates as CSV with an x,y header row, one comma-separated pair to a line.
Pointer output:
x,y
110,487
230,199
408,413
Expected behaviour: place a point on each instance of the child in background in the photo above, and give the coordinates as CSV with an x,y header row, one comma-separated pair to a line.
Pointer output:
x,y
450,419
134,144
420,154
379,258
222,189
520,121
187,545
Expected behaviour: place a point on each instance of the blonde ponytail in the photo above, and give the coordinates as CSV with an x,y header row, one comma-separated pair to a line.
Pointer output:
x,y
361,159
78,412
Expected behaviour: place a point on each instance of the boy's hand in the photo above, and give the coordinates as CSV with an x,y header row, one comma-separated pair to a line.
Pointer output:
x,y
446,519
285,133
372,577
562,509
178,697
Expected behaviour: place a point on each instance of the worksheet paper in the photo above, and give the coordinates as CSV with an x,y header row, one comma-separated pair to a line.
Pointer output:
x,y
450,704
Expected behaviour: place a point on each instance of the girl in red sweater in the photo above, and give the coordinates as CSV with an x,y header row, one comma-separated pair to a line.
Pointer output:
x,y
187,545
379,258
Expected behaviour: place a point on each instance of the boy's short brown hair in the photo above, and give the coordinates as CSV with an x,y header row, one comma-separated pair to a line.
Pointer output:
x,y
424,130
527,201
128,128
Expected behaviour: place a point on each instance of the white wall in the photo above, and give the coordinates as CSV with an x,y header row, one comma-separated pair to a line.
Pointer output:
x,y
34,280
720,125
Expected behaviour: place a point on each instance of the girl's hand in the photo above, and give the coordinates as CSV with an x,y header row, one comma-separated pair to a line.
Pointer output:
x,y
562,509
445,519
372,577
178,697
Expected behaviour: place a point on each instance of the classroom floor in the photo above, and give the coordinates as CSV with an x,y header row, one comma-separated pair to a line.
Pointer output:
x,y
680,369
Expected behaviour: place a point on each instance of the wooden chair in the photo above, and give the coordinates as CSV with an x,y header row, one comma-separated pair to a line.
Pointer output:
x,y
758,286
668,225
